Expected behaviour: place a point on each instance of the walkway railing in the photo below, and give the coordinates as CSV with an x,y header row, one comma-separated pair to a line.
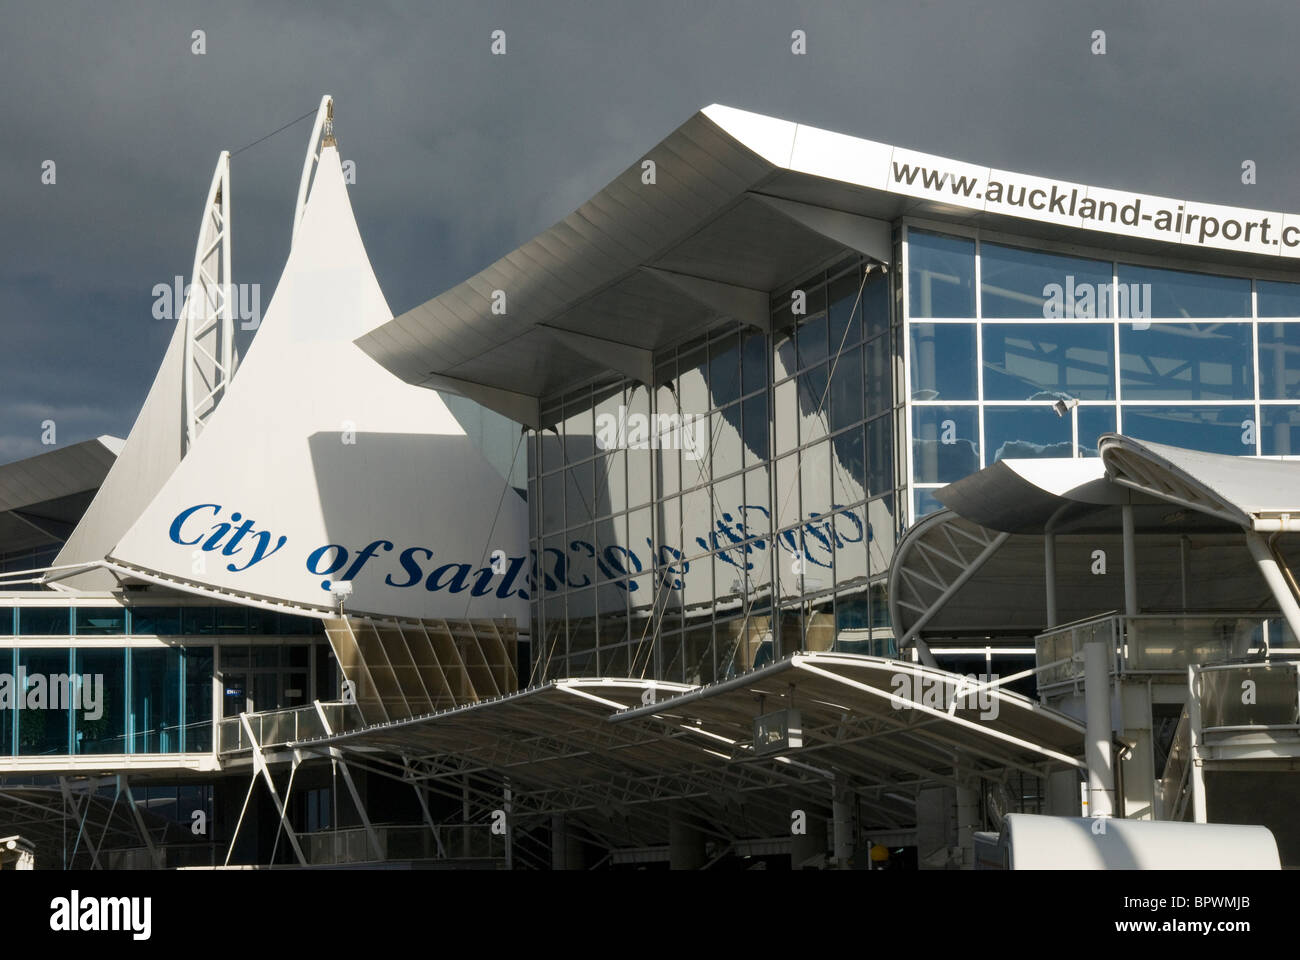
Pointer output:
x,y
274,728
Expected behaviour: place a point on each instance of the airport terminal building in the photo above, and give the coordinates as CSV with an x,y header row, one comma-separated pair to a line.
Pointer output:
x,y
799,500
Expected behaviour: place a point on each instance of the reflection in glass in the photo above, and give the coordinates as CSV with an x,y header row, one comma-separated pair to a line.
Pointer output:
x,y
44,621
724,370
878,375
812,403
1186,361
753,363
1093,422
1153,292
1024,361
880,455
43,723
1275,299
848,467
1279,433
1026,433
940,275
1279,360
926,502
106,732
845,321
1031,284
1218,429
945,443
943,361
846,389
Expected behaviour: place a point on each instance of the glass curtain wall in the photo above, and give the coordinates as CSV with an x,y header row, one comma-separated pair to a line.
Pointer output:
x,y
737,510
1015,352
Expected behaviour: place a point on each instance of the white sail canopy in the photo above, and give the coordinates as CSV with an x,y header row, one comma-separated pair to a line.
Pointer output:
x,y
320,466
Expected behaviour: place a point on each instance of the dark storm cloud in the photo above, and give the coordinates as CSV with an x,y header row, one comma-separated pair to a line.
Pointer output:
x,y
462,156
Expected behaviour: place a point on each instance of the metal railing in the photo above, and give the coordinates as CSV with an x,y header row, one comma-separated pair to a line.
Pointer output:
x,y
453,841
1154,643
273,728
1243,698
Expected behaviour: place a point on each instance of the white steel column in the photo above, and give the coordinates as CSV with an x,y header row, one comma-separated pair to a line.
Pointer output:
x,y
1099,656
1268,566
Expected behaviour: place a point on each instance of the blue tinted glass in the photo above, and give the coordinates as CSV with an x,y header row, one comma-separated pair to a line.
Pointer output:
x,y
158,621
1186,361
1145,292
926,503
755,424
846,322
43,724
1274,299
880,456
943,361
812,341
878,372
1026,432
846,389
1279,361
44,621
1093,422
1031,284
945,443
102,727
1279,433
6,628
198,698
754,363
1031,361
940,275
724,370
1212,429
155,700
100,620
848,468
875,304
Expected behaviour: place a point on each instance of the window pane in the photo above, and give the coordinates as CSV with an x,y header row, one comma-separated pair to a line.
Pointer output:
x,y
926,503
1026,432
43,723
943,361
99,621
7,717
848,467
1093,422
812,341
846,389
812,404
945,443
155,700
815,479
875,304
1212,429
878,376
1024,361
1274,299
845,321
753,363
880,456
724,370
1279,435
44,622
1034,284
940,275
755,429
1186,361
99,719
1279,361
1152,292
198,695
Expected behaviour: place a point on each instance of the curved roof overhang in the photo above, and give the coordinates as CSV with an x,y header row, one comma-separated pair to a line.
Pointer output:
x,y
1253,493
739,205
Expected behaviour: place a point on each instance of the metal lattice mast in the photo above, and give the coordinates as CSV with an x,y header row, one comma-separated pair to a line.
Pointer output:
x,y
209,311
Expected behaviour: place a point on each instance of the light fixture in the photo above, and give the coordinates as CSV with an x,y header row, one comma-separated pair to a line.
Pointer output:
x,y
1064,405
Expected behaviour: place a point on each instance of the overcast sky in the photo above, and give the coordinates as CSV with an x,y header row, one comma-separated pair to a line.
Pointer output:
x,y
462,156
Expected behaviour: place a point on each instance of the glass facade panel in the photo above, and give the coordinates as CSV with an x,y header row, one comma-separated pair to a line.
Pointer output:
x,y
1093,422
45,720
943,361
1219,429
945,443
1186,361
155,717
1152,292
940,275
99,719
44,621
1279,361
1274,299
98,621
1026,433
1037,285
1279,434
1035,361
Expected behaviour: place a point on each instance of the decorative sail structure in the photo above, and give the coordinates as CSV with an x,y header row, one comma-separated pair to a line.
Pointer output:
x,y
196,369
319,466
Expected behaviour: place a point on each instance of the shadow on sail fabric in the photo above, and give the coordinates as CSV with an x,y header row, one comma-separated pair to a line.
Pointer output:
x,y
319,465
